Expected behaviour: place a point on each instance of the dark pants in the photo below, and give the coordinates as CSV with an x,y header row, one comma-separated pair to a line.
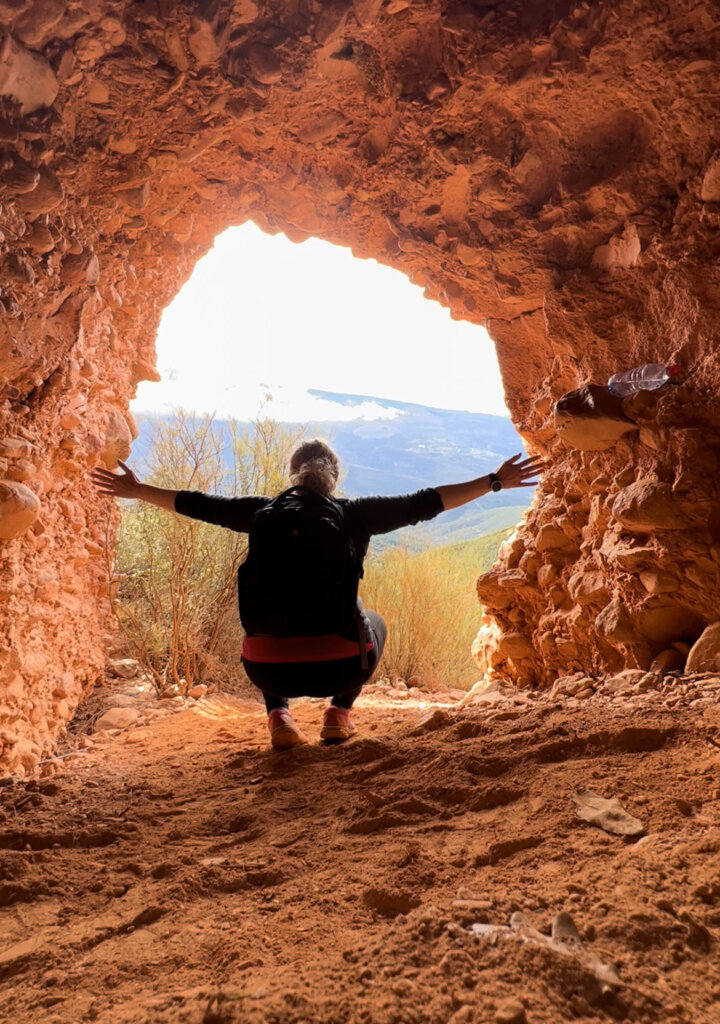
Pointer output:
x,y
342,679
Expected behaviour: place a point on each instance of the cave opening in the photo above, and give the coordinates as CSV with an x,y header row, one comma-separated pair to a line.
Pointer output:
x,y
283,340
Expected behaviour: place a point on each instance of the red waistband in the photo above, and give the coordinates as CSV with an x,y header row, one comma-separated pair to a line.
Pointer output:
x,y
278,649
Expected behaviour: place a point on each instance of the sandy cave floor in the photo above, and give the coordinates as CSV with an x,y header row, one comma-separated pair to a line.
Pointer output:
x,y
183,871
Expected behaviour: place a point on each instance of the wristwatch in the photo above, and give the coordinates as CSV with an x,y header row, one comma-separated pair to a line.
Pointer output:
x,y
495,482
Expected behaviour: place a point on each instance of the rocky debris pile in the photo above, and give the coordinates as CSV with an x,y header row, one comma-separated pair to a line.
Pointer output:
x,y
631,689
122,708
620,570
600,979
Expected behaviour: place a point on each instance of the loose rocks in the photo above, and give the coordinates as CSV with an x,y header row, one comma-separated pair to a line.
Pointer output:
x,y
19,508
511,1011
123,668
117,718
704,656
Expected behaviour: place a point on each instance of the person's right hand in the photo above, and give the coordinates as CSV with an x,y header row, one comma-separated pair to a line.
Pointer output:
x,y
117,485
515,473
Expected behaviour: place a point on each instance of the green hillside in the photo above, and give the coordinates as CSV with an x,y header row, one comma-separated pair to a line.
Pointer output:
x,y
473,525
480,552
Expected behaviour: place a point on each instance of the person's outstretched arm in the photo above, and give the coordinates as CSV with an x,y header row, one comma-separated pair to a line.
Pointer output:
x,y
511,474
127,485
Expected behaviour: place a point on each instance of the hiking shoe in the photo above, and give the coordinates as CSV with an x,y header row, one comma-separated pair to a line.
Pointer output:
x,y
284,734
337,726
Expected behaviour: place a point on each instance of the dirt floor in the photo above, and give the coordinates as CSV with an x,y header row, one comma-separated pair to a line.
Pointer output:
x,y
182,871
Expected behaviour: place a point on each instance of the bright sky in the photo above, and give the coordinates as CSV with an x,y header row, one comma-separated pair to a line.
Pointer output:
x,y
262,315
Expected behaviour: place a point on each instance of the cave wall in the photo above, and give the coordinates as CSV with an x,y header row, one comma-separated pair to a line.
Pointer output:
x,y
547,168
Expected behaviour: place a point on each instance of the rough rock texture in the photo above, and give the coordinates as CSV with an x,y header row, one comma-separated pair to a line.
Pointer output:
x,y
547,168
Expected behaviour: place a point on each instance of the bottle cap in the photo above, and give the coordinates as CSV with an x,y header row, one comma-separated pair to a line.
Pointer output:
x,y
674,369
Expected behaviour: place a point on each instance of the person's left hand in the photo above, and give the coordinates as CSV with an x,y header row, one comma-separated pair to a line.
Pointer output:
x,y
518,474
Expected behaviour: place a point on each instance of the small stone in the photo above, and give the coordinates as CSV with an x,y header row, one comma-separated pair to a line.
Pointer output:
x,y
26,77
89,50
622,251
125,144
117,442
264,65
117,718
650,681
323,128
138,735
591,419
166,160
710,190
111,24
197,691
81,269
331,21
15,448
202,43
136,198
121,700
437,88
18,269
704,655
20,177
430,721
648,505
624,680
66,66
19,508
39,238
47,194
510,1011
36,23
123,668
468,256
98,93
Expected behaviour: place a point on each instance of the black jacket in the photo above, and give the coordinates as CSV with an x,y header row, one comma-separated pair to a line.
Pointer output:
x,y
366,516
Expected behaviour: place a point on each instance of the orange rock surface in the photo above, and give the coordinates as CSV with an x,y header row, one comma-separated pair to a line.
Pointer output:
x,y
546,168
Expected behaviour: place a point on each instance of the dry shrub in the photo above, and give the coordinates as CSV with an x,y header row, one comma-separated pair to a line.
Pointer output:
x,y
429,603
177,603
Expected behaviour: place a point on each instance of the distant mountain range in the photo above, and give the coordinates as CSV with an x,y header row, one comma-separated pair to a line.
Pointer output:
x,y
414,447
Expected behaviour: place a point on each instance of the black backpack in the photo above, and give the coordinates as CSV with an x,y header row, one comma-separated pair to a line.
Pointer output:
x,y
301,574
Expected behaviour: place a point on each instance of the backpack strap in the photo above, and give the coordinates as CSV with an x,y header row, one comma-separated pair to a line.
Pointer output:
x,y
362,642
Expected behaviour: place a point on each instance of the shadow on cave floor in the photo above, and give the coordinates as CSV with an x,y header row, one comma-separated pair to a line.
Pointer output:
x,y
181,871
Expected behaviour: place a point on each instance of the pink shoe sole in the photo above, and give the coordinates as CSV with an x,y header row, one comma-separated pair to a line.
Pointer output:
x,y
284,734
333,732
285,737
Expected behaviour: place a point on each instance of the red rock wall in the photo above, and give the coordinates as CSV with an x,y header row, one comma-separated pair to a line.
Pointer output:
x,y
546,167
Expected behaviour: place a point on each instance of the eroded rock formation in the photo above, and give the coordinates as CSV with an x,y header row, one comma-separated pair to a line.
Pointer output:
x,y
547,168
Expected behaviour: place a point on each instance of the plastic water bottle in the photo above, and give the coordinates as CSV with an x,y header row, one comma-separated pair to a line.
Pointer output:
x,y
643,378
